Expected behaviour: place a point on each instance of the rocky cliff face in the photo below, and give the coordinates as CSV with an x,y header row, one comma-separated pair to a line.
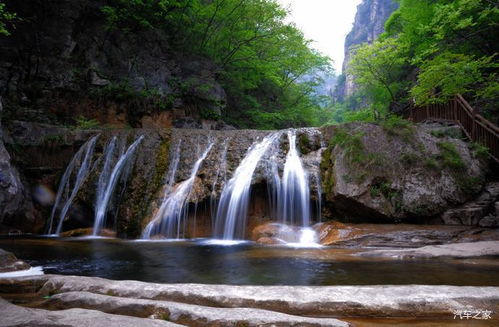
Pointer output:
x,y
62,62
369,173
369,23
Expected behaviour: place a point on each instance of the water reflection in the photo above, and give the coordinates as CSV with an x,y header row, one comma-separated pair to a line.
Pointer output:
x,y
240,264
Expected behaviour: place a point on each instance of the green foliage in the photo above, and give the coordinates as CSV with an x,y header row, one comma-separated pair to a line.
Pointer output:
x,y
479,151
410,158
396,126
450,157
355,151
83,123
262,59
5,18
432,50
431,163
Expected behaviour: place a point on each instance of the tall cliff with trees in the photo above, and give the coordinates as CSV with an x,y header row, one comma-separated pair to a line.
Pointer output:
x,y
430,51
142,62
368,25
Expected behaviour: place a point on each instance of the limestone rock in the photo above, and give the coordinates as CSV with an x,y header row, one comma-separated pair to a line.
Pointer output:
x,y
14,200
399,235
337,301
479,212
13,315
9,262
395,174
460,250
188,314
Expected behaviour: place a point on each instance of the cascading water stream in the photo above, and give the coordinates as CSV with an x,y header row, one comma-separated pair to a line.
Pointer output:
x,y
219,176
81,175
172,214
233,205
109,182
294,198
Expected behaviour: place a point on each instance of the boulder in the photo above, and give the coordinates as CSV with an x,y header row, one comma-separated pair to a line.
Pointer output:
x,y
385,173
479,212
9,262
14,199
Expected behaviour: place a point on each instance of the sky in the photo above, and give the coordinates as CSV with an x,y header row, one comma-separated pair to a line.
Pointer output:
x,y
326,22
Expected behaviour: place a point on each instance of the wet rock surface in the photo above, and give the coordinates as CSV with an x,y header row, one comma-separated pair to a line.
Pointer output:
x,y
188,314
463,250
399,235
325,301
13,315
9,262
481,211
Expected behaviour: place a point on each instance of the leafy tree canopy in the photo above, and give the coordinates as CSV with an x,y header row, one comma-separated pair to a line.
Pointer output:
x,y
261,57
431,50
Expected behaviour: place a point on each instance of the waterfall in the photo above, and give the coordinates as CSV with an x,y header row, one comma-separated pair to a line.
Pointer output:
x,y
86,151
108,181
318,194
105,174
233,206
220,175
172,215
294,198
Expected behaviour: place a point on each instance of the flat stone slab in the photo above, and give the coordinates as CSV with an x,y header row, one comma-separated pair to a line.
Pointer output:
x,y
13,315
461,250
323,301
188,314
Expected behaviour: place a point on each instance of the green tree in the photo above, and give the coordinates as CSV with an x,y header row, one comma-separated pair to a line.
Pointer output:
x,y
5,18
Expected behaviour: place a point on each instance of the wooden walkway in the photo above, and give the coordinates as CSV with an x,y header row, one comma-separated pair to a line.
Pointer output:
x,y
477,128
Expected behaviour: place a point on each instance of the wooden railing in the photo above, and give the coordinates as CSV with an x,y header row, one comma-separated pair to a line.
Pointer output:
x,y
476,128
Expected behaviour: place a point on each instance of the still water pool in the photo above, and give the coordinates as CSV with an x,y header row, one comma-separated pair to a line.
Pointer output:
x,y
199,261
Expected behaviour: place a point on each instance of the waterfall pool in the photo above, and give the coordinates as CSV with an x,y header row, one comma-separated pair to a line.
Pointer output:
x,y
206,261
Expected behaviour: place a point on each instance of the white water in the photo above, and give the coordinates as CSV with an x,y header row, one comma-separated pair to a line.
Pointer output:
x,y
105,175
32,271
294,198
110,181
233,206
221,177
171,216
64,185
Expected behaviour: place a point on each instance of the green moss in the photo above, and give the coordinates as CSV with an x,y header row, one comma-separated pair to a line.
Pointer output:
x,y
327,165
165,316
409,158
394,125
350,143
450,157
469,184
479,151
84,123
431,163
145,190
304,143
382,187
355,153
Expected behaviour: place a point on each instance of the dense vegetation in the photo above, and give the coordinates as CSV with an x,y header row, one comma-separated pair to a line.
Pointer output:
x,y
431,50
261,58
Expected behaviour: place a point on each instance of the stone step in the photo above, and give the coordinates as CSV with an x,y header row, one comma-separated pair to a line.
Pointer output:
x,y
13,315
188,314
315,301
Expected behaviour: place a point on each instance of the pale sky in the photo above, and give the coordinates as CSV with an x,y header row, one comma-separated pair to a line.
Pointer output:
x,y
326,22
